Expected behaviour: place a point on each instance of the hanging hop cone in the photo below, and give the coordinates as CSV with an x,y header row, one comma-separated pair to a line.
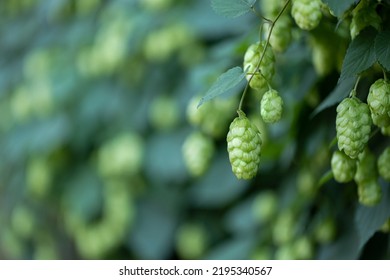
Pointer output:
x,y
353,126
244,147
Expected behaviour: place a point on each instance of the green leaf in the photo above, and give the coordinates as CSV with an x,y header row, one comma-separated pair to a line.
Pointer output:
x,y
232,8
360,54
369,219
339,7
226,81
339,93
382,49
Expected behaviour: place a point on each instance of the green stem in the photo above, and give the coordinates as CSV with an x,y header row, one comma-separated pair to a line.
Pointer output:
x,y
263,53
384,74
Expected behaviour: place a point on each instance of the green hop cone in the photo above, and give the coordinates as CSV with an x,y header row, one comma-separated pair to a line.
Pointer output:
x,y
198,151
266,70
378,100
385,130
281,35
370,193
353,126
271,107
306,13
384,164
366,177
343,167
364,15
244,147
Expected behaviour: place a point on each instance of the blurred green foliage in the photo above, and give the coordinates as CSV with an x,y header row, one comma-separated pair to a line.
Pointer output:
x,y
93,116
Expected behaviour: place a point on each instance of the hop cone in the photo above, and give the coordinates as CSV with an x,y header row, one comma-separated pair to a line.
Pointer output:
x,y
266,69
343,167
353,126
366,177
271,106
198,150
384,164
281,35
378,100
385,130
364,15
244,147
306,13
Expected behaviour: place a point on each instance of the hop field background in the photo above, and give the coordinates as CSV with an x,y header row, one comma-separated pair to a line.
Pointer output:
x,y
94,111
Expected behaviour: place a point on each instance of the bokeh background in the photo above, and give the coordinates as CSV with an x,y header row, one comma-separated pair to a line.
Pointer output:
x,y
94,102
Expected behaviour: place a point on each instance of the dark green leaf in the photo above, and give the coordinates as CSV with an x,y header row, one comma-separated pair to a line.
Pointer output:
x,y
369,219
339,93
226,81
225,186
360,54
236,249
339,7
232,8
382,49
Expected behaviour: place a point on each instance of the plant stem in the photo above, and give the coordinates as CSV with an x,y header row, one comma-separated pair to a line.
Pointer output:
x,y
263,53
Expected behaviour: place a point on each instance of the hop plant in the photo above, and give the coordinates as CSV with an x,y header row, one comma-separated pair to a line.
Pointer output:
x,y
198,151
384,164
364,15
378,100
271,107
263,75
306,13
343,167
353,126
244,147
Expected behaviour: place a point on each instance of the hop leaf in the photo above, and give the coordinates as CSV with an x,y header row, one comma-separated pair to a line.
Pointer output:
x,y
271,106
306,13
343,167
266,70
353,126
384,164
198,150
378,100
244,147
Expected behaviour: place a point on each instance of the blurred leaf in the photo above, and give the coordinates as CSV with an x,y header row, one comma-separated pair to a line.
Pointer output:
x,y
218,186
232,8
339,7
382,49
164,161
83,195
342,90
226,81
360,54
369,219
153,231
239,248
241,219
